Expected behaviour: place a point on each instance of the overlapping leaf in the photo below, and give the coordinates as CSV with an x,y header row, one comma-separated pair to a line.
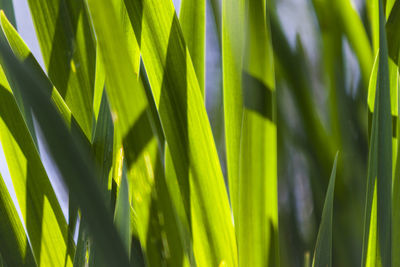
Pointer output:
x,y
135,123
257,224
15,248
380,157
69,52
46,225
183,116
71,158
323,246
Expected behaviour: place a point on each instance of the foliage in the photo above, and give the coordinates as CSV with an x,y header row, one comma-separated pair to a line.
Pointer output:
x,y
120,107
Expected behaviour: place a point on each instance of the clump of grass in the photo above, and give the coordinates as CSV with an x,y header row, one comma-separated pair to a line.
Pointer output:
x,y
120,108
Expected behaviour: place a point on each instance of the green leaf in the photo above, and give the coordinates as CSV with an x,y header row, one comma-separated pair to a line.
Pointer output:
x,y
323,246
192,18
15,248
98,83
22,51
71,158
393,76
299,85
392,29
370,238
44,220
257,224
393,32
8,7
135,125
373,257
355,32
380,158
81,246
67,43
232,60
183,116
384,170
122,218
102,144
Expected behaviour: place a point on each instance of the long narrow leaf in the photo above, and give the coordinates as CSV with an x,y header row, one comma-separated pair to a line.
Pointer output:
x,y
192,17
135,125
67,44
40,209
232,56
384,172
22,51
323,247
258,188
380,157
73,162
183,116
15,248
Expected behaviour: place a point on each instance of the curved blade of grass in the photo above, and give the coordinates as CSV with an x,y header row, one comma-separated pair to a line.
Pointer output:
x,y
232,56
192,18
183,116
72,160
257,226
45,222
323,246
15,248
69,52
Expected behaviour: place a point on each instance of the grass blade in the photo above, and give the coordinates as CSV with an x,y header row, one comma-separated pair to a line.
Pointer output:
x,y
135,127
257,227
67,44
192,18
8,8
323,247
15,248
370,237
355,32
232,47
380,158
183,116
22,51
122,219
393,30
384,178
45,222
74,162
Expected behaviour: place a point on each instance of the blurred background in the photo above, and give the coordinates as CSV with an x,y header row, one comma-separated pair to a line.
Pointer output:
x,y
322,108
